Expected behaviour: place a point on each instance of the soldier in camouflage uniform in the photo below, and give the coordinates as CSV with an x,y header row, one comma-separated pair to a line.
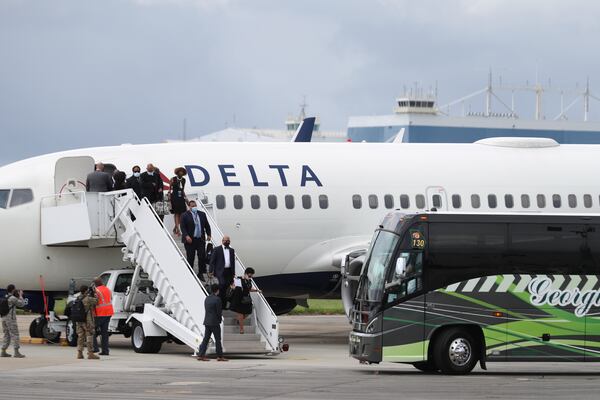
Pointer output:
x,y
9,322
85,330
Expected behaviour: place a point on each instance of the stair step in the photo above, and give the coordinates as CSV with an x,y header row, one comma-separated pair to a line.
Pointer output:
x,y
236,337
235,329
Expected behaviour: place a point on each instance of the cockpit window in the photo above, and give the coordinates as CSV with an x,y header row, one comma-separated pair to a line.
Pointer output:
x,y
4,198
21,196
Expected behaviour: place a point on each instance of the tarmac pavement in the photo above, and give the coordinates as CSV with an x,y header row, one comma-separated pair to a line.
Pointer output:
x,y
316,367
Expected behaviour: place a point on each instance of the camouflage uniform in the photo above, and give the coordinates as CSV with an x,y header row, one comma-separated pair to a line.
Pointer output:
x,y
85,330
9,323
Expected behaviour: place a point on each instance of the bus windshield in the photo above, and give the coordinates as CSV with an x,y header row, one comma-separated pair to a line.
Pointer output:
x,y
374,270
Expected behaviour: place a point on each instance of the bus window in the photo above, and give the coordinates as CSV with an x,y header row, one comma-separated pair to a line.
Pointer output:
x,y
509,202
404,201
255,202
373,201
541,201
406,276
492,201
456,203
475,201
572,199
420,201
357,201
587,201
525,203
556,201
388,200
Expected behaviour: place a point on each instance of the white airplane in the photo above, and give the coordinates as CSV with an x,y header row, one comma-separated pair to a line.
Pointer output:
x,y
294,210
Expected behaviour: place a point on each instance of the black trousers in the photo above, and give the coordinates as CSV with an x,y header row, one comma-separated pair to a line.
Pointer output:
x,y
214,330
198,246
102,329
227,280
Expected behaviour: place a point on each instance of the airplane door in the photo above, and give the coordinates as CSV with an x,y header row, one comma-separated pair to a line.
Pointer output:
x,y
70,173
436,198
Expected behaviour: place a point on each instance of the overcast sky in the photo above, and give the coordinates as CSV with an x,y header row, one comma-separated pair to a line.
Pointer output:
x,y
86,73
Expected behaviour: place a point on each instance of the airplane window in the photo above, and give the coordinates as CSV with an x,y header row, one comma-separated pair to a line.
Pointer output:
x,y
572,200
475,201
323,201
357,201
420,200
4,193
238,202
437,200
373,201
509,202
388,200
492,201
306,201
255,201
525,203
556,201
289,201
404,201
272,201
21,196
541,201
456,203
220,201
587,201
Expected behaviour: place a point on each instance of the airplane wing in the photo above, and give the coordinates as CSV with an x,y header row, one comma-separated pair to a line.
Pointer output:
x,y
305,130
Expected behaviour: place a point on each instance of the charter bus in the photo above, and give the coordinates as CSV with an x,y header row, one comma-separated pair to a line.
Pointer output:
x,y
445,291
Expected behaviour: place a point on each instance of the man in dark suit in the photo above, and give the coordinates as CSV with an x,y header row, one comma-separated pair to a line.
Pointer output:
x,y
213,314
134,182
151,184
195,230
222,265
99,181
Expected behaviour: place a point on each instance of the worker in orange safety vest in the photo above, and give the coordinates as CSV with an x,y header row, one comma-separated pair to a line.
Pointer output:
x,y
104,311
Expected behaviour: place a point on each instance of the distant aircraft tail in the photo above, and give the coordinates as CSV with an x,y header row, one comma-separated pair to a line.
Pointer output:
x,y
305,130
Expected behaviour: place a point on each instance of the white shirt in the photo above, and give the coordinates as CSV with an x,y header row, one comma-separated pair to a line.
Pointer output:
x,y
227,255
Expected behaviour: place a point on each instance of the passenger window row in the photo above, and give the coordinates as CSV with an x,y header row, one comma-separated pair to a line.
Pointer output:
x,y
509,201
272,202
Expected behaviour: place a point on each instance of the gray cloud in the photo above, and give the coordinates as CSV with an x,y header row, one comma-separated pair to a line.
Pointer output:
x,y
76,74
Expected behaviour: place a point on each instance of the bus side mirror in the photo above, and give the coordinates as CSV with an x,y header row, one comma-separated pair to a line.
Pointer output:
x,y
400,266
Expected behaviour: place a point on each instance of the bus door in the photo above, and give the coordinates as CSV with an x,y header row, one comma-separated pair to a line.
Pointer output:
x,y
436,198
404,302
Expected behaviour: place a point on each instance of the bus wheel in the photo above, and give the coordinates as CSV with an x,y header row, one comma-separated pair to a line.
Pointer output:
x,y
425,366
456,351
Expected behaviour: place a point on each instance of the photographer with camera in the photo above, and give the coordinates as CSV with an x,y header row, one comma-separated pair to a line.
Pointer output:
x,y
8,313
82,312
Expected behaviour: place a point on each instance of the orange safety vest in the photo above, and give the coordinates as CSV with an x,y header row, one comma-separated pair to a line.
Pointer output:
x,y
104,307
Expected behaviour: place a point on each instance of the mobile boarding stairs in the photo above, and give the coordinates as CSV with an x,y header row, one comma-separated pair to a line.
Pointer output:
x,y
121,219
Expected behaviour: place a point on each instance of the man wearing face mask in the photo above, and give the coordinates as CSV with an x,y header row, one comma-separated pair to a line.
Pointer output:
x,y
134,182
222,266
195,230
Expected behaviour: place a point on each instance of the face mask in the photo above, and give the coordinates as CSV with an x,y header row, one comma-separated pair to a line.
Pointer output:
x,y
136,174
194,209
150,173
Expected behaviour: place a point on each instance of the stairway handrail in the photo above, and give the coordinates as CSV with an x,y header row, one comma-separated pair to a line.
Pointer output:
x,y
215,227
